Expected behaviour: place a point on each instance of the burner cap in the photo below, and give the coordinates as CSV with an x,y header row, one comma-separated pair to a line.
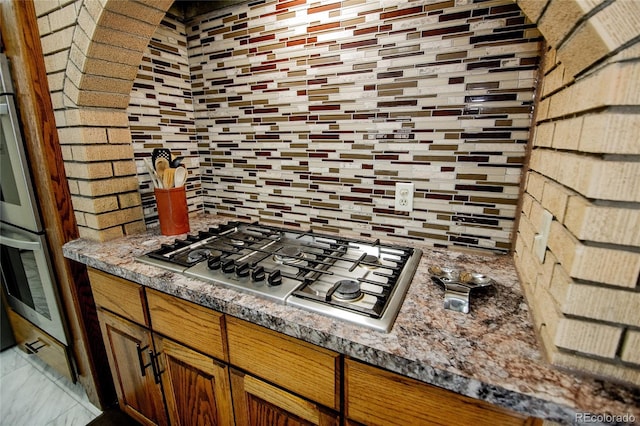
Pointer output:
x,y
198,255
289,254
348,291
370,262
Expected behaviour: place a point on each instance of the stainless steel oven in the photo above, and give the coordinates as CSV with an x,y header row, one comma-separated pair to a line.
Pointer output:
x,y
27,274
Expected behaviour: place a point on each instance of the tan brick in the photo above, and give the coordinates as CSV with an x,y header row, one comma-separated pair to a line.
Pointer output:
x,y
120,39
590,176
555,198
163,5
131,25
43,26
546,269
543,110
102,99
136,10
560,281
119,135
57,41
63,17
124,168
602,303
113,218
610,266
99,188
549,60
583,48
100,235
532,8
588,337
82,135
129,200
631,347
535,185
553,81
559,18
56,82
102,152
602,223
618,23
528,267
56,61
526,232
80,221
544,134
94,205
96,117
612,133
101,67
567,134
596,368
44,7
134,228
99,83
88,170
114,54
527,201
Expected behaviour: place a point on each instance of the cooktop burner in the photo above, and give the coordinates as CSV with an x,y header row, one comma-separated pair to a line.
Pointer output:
x,y
358,281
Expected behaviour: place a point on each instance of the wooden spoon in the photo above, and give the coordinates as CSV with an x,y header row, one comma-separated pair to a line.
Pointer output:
x,y
180,176
161,165
167,177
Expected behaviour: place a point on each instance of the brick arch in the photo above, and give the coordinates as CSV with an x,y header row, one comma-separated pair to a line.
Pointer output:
x,y
107,49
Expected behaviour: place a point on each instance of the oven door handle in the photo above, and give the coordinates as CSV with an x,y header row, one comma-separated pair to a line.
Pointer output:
x,y
20,244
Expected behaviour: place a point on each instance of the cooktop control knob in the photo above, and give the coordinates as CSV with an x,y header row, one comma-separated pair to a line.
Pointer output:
x,y
213,262
275,278
242,270
258,274
228,266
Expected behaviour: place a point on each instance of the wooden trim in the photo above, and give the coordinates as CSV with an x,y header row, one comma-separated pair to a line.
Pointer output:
x,y
21,40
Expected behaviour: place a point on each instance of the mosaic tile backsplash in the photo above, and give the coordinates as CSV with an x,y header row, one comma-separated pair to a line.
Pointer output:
x,y
308,114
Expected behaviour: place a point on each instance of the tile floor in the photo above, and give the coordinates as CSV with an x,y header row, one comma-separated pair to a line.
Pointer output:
x,y
32,394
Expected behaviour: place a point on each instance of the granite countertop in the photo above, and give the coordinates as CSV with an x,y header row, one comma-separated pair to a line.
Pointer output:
x,y
490,354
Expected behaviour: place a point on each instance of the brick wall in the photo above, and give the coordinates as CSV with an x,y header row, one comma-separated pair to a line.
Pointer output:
x,y
584,175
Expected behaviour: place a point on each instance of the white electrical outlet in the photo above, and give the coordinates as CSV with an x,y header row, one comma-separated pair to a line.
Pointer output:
x,y
404,196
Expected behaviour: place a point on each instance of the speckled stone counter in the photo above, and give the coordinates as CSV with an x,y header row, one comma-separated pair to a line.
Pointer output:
x,y
490,354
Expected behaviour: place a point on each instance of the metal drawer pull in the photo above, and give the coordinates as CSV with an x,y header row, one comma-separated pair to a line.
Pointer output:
x,y
155,365
31,347
143,366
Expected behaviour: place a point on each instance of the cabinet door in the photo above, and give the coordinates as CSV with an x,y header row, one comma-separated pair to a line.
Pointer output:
x,y
196,386
128,347
258,403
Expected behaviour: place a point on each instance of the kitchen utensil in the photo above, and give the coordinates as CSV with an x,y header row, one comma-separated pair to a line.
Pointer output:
x,y
180,176
168,177
176,161
160,153
161,165
458,286
157,183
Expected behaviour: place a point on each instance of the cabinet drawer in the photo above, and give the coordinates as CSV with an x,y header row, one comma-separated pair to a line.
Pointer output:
x,y
376,397
35,341
190,324
119,296
305,369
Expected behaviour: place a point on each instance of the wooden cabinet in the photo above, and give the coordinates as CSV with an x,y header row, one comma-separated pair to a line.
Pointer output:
x,y
258,403
175,362
377,397
130,352
196,387
305,369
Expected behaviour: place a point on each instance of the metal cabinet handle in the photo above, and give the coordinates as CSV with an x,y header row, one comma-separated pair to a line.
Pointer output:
x,y
31,347
143,366
155,365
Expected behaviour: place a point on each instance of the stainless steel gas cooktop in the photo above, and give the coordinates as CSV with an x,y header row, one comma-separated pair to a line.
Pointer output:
x,y
357,281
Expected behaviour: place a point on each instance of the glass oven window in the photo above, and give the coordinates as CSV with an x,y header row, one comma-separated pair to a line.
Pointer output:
x,y
21,277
